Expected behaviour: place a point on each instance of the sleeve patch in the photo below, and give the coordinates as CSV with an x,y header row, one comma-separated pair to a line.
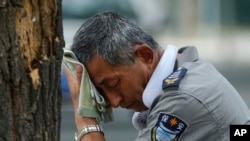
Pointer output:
x,y
173,80
168,128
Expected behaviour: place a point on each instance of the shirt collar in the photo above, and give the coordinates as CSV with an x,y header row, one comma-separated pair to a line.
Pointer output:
x,y
163,69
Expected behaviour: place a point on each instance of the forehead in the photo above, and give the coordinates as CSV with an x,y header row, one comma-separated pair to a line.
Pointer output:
x,y
98,68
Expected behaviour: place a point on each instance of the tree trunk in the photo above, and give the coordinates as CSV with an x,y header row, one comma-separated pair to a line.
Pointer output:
x,y
31,42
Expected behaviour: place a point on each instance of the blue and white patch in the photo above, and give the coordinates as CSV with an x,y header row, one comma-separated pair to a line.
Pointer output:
x,y
173,80
168,128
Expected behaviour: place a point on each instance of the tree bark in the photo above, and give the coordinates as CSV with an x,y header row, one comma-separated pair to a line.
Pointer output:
x,y
31,41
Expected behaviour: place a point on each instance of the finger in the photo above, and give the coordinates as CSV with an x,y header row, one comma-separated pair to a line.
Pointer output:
x,y
74,87
68,74
72,82
79,71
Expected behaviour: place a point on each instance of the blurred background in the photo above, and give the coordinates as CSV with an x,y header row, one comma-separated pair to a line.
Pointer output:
x,y
220,29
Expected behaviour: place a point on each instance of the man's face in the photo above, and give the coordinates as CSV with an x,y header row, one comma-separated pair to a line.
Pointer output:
x,y
121,85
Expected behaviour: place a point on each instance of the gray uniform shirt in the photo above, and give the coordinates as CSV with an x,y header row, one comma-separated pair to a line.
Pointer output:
x,y
201,108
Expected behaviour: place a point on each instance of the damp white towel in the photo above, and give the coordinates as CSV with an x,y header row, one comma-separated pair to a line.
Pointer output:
x,y
91,102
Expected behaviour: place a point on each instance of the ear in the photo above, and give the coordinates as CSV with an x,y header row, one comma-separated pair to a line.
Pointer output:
x,y
145,53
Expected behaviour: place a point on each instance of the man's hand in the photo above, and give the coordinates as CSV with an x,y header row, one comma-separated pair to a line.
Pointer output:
x,y
74,84
74,88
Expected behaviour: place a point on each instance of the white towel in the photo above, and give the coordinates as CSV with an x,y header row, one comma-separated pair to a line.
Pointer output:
x,y
91,102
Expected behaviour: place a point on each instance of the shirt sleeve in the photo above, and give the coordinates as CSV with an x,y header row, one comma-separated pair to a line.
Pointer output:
x,y
181,117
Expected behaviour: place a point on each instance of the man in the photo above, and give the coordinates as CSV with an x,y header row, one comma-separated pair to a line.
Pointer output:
x,y
176,95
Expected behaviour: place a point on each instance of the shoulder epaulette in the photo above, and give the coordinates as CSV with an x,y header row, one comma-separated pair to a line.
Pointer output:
x,y
173,80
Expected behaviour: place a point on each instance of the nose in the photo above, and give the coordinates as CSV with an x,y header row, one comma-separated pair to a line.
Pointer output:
x,y
114,99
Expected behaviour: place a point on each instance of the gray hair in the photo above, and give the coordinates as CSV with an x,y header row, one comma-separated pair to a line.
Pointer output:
x,y
112,36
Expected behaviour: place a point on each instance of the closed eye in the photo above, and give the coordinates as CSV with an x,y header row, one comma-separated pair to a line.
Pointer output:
x,y
113,83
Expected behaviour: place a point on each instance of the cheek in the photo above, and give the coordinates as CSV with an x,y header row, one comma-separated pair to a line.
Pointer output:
x,y
133,87
133,83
